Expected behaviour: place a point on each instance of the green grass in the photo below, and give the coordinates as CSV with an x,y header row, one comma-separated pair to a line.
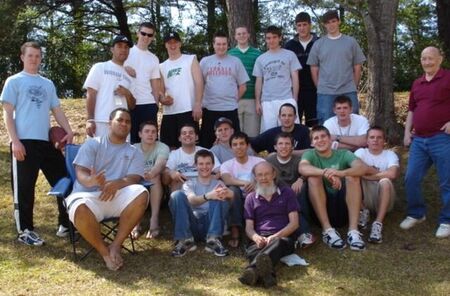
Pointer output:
x,y
407,262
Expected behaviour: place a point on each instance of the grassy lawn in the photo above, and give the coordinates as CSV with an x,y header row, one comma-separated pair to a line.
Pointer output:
x,y
407,262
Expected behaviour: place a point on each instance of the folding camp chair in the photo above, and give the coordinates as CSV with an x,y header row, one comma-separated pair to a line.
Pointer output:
x,y
63,188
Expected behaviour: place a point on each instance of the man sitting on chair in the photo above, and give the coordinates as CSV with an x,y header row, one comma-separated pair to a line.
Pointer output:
x,y
107,170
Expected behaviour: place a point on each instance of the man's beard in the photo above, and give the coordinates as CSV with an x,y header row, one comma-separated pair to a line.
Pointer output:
x,y
266,191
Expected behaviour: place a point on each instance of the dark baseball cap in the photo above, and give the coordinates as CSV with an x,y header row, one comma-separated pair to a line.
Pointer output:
x,y
172,35
122,38
222,120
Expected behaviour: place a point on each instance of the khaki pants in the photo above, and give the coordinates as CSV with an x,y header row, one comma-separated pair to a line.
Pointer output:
x,y
248,119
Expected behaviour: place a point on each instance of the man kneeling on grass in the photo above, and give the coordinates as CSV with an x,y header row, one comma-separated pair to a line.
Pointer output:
x,y
271,218
107,170
200,209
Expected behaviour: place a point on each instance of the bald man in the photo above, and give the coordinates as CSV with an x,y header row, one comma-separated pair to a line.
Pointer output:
x,y
427,132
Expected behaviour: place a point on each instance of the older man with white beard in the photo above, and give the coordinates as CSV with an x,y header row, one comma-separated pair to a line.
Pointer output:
x,y
271,218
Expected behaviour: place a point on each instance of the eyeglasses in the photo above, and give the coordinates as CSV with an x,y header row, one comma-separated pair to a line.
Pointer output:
x,y
146,34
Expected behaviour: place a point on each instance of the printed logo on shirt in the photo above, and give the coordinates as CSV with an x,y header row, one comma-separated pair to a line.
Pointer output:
x,y
219,71
37,94
118,75
174,72
272,70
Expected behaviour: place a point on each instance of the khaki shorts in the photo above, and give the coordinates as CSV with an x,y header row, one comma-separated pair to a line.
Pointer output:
x,y
104,209
371,193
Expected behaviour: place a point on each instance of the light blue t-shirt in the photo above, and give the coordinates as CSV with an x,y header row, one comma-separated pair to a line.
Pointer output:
x,y
222,78
33,97
194,186
117,160
275,68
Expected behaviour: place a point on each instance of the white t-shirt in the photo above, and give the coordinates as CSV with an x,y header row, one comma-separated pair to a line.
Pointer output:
x,y
358,126
179,84
382,161
105,77
238,170
146,65
184,162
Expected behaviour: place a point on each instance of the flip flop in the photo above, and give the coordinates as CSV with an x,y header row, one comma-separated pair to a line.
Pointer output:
x,y
153,233
136,232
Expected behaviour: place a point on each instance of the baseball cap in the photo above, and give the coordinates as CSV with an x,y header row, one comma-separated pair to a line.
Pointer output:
x,y
172,35
222,120
122,38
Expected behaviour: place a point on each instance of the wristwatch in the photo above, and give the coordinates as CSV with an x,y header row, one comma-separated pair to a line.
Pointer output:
x,y
338,138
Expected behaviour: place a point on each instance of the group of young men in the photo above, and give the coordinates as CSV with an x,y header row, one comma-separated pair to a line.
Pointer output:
x,y
222,186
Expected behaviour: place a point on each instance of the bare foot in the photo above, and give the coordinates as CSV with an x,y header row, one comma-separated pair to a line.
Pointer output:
x,y
136,232
152,233
114,253
110,263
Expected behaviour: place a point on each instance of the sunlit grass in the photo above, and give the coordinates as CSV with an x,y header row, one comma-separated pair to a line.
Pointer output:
x,y
407,262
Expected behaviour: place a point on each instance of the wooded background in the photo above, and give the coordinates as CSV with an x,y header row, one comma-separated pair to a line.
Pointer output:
x,y
76,34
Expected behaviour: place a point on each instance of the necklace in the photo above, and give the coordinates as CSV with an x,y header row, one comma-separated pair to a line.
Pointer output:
x,y
348,129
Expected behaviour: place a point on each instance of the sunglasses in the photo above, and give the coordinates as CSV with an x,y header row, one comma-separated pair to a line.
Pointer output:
x,y
146,34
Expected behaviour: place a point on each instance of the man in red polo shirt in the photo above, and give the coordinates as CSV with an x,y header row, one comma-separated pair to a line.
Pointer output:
x,y
427,131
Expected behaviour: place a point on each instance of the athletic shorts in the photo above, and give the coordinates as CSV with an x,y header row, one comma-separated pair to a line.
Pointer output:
x,y
371,193
104,209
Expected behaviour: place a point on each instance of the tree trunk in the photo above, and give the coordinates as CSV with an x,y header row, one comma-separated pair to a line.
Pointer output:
x,y
78,16
240,14
211,23
122,19
443,20
380,21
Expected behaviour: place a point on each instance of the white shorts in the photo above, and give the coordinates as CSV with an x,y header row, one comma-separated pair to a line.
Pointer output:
x,y
104,209
371,193
270,110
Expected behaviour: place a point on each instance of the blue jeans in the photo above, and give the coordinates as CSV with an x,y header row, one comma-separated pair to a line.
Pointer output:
x,y
200,225
325,105
422,154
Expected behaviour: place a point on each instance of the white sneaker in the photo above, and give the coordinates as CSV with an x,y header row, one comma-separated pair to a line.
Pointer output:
x,y
443,231
376,235
354,239
410,222
332,238
62,231
306,239
364,217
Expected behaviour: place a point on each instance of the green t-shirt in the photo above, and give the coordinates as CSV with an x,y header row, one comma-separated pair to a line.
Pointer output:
x,y
340,159
248,59
161,150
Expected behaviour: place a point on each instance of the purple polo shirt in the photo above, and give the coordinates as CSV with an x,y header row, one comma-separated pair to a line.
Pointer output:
x,y
430,102
269,217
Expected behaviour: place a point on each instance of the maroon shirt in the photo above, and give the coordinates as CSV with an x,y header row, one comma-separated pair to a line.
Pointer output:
x,y
269,217
430,102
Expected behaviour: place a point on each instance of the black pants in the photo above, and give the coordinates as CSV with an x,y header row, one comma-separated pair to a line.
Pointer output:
x,y
170,128
39,155
140,114
307,105
207,135
336,207
276,250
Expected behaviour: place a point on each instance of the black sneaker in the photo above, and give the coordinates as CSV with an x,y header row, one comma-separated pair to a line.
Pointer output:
x,y
184,246
264,270
249,277
214,245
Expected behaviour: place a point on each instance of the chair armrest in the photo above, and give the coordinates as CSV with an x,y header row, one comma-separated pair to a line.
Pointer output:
x,y
62,188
